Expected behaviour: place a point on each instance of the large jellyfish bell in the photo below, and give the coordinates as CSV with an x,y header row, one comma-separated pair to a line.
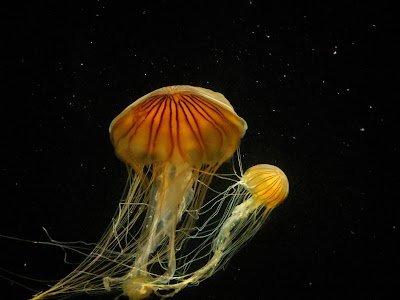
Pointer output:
x,y
177,125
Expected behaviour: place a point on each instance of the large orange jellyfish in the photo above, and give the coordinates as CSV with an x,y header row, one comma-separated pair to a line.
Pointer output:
x,y
164,236
173,140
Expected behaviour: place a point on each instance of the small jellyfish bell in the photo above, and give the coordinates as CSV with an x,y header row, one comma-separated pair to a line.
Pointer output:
x,y
172,140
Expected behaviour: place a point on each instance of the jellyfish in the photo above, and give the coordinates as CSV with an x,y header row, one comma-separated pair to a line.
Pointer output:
x,y
173,140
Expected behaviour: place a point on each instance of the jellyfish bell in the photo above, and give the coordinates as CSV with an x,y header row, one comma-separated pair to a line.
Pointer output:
x,y
177,125
267,184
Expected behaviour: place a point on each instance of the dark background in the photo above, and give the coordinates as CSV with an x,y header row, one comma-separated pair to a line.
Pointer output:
x,y
308,77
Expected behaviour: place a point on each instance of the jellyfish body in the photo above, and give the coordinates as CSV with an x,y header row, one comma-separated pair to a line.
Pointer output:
x,y
174,133
173,140
266,187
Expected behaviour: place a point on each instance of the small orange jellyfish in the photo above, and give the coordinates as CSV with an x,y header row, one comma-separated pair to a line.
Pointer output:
x,y
173,140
